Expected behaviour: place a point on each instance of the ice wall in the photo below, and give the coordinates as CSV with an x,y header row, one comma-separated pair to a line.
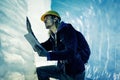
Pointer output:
x,y
18,61
99,21
16,56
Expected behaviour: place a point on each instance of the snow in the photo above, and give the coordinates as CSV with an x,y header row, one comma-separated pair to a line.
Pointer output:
x,y
17,58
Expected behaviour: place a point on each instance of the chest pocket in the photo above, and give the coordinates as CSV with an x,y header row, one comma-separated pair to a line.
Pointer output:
x,y
60,44
57,45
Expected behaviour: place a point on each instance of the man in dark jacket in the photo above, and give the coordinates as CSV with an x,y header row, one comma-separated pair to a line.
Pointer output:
x,y
62,46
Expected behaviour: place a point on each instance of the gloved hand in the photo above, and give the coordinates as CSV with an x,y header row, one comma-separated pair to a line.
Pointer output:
x,y
40,50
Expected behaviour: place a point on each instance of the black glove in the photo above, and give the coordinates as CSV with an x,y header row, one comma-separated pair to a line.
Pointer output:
x,y
40,50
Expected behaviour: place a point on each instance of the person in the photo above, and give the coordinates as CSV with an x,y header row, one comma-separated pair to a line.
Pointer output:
x,y
62,46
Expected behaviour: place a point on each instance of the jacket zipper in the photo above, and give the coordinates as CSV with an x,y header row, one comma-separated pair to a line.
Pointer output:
x,y
55,40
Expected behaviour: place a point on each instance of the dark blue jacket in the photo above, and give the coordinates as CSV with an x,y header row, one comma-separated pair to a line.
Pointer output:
x,y
65,48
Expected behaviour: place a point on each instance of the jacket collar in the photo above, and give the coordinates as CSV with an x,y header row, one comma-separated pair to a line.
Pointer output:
x,y
62,25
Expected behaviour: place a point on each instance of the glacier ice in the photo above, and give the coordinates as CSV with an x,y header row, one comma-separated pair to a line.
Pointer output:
x,y
99,21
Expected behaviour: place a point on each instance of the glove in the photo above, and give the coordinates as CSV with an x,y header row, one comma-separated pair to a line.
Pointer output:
x,y
40,50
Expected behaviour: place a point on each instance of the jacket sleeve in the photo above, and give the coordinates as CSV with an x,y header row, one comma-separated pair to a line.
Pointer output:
x,y
47,45
69,40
